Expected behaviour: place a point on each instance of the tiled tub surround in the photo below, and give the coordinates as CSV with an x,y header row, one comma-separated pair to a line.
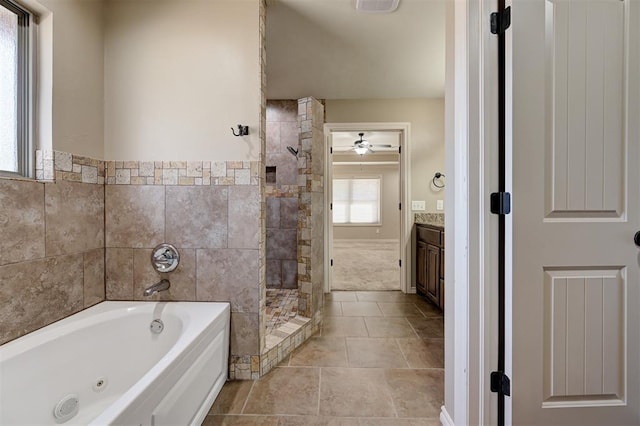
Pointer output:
x,y
216,229
51,250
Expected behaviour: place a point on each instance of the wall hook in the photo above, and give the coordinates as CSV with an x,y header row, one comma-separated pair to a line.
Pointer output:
x,y
242,130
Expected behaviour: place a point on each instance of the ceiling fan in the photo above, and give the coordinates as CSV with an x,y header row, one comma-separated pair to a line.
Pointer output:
x,y
362,146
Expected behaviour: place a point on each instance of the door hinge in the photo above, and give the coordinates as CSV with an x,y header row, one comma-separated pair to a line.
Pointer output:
x,y
330,206
400,263
500,203
400,149
331,262
399,206
500,21
331,150
500,383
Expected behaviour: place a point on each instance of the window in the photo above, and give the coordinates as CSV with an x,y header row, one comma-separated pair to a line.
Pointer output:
x,y
15,89
356,201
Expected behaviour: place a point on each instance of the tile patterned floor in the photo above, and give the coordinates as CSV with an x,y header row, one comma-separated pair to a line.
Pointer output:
x,y
378,360
282,306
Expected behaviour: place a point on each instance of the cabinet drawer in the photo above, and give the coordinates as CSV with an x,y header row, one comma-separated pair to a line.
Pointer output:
x,y
429,235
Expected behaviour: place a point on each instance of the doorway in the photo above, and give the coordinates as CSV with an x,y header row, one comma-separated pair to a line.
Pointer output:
x,y
367,249
365,190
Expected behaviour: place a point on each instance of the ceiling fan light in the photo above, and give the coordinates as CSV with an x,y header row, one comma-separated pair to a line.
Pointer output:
x,y
361,150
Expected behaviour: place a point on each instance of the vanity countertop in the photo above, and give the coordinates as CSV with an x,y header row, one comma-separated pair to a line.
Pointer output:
x,y
433,219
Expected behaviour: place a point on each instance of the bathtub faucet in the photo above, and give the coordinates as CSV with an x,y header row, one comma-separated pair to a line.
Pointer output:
x,y
163,285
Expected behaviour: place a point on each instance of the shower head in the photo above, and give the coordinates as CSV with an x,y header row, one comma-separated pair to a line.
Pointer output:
x,y
293,152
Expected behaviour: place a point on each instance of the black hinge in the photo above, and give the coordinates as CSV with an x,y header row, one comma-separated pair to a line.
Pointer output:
x,y
500,383
400,149
500,203
399,206
500,21
331,150
331,262
400,262
330,206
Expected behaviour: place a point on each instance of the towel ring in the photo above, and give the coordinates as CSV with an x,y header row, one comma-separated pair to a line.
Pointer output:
x,y
437,182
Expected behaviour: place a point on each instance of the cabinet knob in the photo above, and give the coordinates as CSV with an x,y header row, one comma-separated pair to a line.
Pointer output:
x,y
636,238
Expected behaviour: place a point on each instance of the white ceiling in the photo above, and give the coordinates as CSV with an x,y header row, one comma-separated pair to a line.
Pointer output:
x,y
327,49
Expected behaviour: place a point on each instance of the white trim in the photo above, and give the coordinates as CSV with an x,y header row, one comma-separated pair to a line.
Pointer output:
x,y
406,215
445,418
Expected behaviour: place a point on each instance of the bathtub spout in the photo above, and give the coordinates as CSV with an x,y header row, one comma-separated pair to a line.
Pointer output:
x,y
163,285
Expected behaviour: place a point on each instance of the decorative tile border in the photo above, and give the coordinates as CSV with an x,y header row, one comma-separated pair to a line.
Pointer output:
x,y
436,219
286,339
285,191
183,173
246,367
58,165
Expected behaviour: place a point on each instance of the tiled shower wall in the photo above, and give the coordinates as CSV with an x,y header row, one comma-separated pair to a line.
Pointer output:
x,y
281,192
51,245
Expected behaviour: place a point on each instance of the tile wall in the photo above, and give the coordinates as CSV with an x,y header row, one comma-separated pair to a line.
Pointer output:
x,y
282,195
211,212
52,245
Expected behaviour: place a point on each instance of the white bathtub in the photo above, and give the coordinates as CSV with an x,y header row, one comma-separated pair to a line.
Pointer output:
x,y
119,370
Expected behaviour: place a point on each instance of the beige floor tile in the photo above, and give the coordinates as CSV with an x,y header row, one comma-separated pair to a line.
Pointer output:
x,y
423,353
375,353
285,390
321,351
386,296
240,421
332,309
400,310
232,397
416,393
361,309
354,392
389,327
428,309
317,421
400,422
428,328
344,327
341,296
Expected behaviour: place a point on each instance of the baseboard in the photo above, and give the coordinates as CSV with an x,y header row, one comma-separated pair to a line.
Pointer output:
x,y
445,419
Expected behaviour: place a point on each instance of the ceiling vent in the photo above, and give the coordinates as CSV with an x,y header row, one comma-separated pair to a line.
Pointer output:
x,y
377,6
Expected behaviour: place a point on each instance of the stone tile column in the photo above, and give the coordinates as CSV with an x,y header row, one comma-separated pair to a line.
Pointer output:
x,y
311,209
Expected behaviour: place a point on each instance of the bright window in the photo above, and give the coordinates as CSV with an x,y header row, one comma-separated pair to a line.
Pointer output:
x,y
356,201
15,89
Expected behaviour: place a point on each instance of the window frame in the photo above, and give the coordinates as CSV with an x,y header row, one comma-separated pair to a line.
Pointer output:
x,y
354,177
25,90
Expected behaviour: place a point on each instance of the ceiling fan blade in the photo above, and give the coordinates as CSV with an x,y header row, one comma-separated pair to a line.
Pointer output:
x,y
382,146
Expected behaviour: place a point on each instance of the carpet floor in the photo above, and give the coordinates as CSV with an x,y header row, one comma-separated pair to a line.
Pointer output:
x,y
366,265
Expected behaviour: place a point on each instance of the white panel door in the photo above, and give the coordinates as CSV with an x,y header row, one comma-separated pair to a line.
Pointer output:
x,y
575,137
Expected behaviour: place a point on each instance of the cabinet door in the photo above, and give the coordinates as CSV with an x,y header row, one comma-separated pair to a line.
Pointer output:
x,y
421,267
433,274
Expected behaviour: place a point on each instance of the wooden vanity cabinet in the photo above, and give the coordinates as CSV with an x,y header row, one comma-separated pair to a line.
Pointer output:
x,y
430,263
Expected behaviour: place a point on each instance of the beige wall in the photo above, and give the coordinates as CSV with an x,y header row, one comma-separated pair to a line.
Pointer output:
x,y
178,75
71,80
390,197
427,134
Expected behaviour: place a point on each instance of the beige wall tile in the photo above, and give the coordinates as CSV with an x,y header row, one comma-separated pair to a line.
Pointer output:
x,y
21,221
134,216
197,216
93,277
244,334
229,275
119,273
36,293
183,279
74,217
244,216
